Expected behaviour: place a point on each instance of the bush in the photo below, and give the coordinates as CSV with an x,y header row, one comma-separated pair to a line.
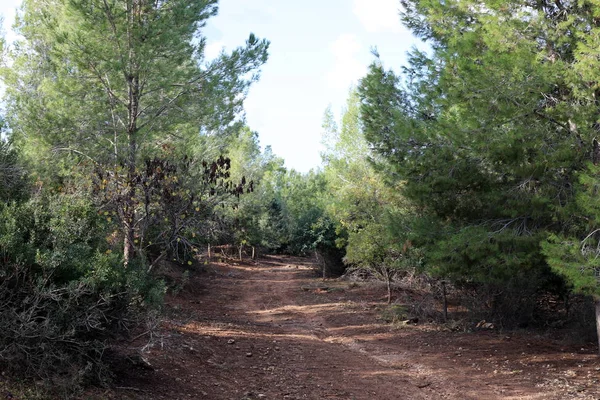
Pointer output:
x,y
63,291
56,333
12,174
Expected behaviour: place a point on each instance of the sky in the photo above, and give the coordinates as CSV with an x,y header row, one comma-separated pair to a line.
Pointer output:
x,y
319,49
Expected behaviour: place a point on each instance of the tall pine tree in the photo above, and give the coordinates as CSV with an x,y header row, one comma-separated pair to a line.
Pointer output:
x,y
489,130
111,83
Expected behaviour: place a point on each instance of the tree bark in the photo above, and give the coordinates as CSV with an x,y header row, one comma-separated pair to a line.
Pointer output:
x,y
597,304
388,282
128,202
132,78
445,301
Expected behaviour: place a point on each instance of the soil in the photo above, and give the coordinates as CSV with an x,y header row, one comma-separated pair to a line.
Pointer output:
x,y
274,330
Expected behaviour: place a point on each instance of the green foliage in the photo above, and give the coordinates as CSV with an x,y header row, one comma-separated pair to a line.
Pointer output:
x,y
473,255
308,227
105,86
63,291
252,220
571,259
574,253
367,212
111,104
488,136
13,183
59,234
159,68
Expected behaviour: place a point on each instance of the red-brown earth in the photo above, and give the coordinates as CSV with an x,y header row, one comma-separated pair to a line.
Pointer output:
x,y
269,330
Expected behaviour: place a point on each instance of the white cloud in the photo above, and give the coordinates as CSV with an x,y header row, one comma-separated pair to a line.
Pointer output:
x,y
213,49
347,67
378,15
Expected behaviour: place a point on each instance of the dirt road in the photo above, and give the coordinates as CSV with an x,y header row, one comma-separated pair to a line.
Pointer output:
x,y
271,331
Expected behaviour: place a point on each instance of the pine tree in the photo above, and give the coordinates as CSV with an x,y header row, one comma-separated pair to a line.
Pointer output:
x,y
488,134
110,83
364,208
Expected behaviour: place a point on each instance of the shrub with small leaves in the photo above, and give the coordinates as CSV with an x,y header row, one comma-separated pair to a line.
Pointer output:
x,y
63,293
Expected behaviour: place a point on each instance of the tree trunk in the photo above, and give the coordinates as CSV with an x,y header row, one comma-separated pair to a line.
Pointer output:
x,y
388,281
127,248
132,78
129,205
253,254
241,249
209,255
597,304
445,301
322,264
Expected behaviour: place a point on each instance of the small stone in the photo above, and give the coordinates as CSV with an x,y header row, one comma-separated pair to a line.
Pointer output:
x,y
248,354
231,341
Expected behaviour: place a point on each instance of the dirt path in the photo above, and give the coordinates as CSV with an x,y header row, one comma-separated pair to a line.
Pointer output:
x,y
268,332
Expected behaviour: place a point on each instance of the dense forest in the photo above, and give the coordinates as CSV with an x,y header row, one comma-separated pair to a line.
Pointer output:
x,y
123,148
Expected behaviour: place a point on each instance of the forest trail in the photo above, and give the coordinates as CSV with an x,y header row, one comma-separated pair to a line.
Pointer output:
x,y
270,330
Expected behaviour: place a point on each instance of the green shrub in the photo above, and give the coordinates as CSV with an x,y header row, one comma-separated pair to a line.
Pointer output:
x,y
64,291
13,182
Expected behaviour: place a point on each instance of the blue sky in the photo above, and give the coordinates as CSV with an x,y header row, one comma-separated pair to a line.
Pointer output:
x,y
319,49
